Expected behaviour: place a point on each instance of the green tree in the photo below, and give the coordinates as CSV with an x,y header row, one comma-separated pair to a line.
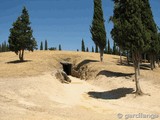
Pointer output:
x,y
3,47
114,49
41,46
7,47
129,32
21,37
87,50
46,45
52,48
98,28
0,48
117,31
109,48
158,56
151,28
83,46
60,47
92,49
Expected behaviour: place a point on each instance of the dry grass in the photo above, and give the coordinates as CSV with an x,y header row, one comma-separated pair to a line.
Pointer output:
x,y
38,62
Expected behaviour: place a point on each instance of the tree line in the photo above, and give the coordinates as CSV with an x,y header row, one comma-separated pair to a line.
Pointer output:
x,y
107,49
4,47
134,31
46,46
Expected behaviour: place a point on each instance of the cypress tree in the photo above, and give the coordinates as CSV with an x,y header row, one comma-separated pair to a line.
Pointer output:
x,y
158,56
24,39
5,46
83,46
98,28
151,29
129,31
60,47
0,48
117,31
109,48
92,49
114,49
41,46
46,45
87,50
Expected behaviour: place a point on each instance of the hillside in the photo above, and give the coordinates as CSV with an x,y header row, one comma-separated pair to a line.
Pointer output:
x,y
39,62
44,61
30,91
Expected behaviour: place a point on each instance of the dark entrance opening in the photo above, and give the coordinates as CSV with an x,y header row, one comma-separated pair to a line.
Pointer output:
x,y
67,67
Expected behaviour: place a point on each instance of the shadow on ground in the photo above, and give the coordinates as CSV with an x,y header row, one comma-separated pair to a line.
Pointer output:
x,y
142,66
114,74
125,64
84,62
145,66
112,94
18,61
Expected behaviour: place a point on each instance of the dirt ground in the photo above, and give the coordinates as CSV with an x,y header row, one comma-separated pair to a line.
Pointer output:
x,y
30,91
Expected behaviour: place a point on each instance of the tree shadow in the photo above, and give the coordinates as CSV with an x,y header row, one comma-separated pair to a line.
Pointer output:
x,y
125,64
18,61
112,94
145,66
142,66
114,74
84,62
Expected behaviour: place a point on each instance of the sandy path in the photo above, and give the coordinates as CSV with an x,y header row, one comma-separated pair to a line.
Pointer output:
x,y
45,98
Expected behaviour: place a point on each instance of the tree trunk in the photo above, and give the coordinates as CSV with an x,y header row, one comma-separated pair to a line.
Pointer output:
x,y
21,54
120,57
151,61
158,62
136,64
127,57
139,62
154,63
101,55
138,88
145,58
139,68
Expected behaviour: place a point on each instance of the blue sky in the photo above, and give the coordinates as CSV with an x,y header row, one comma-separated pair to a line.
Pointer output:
x,y
63,22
